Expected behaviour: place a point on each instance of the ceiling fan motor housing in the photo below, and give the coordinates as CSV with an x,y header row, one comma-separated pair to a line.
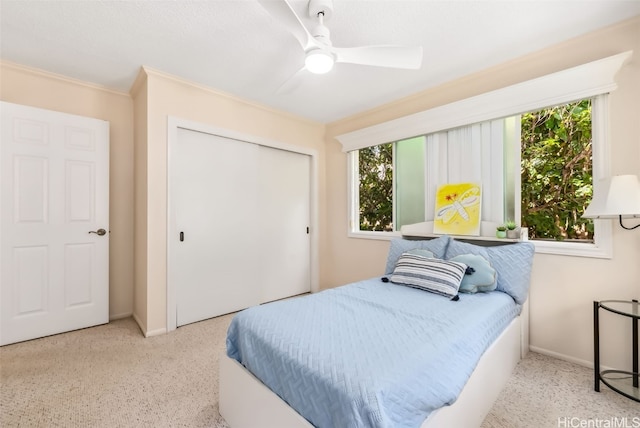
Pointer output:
x,y
322,34
321,10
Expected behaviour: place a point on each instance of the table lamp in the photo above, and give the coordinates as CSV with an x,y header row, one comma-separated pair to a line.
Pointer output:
x,y
617,196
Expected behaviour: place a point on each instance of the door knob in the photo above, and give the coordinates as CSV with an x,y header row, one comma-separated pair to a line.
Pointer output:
x,y
99,232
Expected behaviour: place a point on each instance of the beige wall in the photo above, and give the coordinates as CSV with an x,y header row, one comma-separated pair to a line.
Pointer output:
x,y
563,288
22,85
139,94
170,96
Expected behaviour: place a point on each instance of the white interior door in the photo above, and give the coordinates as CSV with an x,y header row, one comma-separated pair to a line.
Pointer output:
x,y
284,223
54,192
238,218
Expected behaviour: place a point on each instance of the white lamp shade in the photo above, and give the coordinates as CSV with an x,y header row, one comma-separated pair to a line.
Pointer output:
x,y
615,196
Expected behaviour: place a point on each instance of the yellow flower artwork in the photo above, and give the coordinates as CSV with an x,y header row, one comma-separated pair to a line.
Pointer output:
x,y
458,209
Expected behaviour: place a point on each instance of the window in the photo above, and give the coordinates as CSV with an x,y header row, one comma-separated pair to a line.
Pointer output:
x,y
554,173
391,185
592,80
375,188
396,182
557,172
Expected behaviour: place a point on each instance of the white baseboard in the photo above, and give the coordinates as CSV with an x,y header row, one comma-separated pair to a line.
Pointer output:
x,y
143,327
156,332
120,316
560,356
147,333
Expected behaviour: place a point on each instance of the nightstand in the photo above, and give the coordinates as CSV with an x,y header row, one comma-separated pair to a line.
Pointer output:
x,y
623,382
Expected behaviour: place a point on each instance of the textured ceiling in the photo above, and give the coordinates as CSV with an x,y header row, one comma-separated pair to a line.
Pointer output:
x,y
238,48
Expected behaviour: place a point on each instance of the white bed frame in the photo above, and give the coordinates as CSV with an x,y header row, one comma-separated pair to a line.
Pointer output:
x,y
245,402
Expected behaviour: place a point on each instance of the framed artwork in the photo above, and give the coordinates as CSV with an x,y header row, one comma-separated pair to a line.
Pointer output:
x,y
458,209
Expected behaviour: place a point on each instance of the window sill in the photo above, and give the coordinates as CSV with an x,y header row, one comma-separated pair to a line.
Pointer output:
x,y
487,233
382,236
600,250
574,249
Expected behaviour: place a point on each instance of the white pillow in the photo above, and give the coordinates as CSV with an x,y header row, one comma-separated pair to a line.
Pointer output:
x,y
434,275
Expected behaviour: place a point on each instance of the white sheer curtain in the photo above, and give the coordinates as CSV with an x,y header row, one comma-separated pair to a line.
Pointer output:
x,y
474,153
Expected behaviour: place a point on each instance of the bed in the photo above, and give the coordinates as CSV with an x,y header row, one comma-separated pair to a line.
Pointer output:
x,y
367,354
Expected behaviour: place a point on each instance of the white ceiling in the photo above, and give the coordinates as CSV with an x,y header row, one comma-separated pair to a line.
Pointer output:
x,y
238,48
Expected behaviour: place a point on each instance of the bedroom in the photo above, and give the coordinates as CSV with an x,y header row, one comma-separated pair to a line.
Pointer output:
x,y
561,314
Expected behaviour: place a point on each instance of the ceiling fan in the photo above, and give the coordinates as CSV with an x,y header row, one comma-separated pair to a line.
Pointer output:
x,y
321,55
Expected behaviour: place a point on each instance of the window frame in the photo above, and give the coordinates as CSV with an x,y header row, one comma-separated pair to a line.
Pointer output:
x,y
592,80
602,247
354,201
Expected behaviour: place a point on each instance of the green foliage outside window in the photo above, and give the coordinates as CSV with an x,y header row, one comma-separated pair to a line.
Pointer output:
x,y
376,182
557,172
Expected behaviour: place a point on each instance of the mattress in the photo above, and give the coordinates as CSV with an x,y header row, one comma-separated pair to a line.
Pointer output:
x,y
368,354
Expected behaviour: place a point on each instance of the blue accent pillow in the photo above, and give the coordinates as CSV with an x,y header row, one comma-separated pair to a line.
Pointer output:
x,y
425,273
423,253
482,279
398,246
512,263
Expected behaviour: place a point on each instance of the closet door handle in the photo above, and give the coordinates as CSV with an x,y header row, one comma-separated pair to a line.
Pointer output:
x,y
181,236
99,232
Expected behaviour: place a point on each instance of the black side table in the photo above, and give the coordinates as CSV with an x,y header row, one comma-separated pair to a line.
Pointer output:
x,y
623,382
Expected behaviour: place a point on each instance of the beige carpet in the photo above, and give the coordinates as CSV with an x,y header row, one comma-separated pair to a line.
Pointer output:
x,y
110,376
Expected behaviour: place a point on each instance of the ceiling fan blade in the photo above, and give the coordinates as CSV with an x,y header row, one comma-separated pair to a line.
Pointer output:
x,y
283,12
292,83
381,56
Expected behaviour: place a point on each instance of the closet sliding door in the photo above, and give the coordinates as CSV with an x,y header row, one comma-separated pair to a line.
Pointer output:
x,y
214,198
238,222
284,200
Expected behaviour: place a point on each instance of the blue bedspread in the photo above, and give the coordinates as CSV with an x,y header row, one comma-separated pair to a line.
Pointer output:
x,y
368,354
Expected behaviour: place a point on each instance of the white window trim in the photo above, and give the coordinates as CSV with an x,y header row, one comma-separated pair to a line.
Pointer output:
x,y
584,81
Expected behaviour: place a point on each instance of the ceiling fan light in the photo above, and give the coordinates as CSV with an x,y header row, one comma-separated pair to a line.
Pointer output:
x,y
318,61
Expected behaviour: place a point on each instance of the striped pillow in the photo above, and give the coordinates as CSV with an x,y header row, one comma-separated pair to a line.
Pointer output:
x,y
437,276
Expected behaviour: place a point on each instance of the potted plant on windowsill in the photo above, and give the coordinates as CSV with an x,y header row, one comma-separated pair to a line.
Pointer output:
x,y
501,231
513,231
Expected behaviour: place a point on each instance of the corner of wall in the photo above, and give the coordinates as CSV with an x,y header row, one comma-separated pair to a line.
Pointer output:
x,y
139,83
140,120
